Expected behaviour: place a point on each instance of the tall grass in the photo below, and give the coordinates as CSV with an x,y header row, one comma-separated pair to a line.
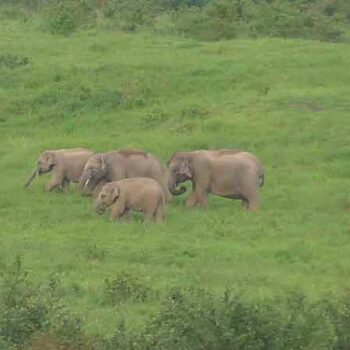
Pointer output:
x,y
326,20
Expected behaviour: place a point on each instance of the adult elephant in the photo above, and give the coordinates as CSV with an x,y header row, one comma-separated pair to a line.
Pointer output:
x,y
66,166
227,173
120,164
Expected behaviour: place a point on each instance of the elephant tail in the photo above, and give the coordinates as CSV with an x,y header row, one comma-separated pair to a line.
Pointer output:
x,y
161,210
164,199
262,180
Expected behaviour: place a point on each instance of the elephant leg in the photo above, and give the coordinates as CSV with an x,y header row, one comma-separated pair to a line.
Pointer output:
x,y
192,200
126,216
245,204
117,211
65,186
159,215
168,196
202,199
56,181
149,217
252,202
150,209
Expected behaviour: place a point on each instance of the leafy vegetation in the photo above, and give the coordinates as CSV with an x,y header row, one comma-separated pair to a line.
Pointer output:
x,y
34,317
326,20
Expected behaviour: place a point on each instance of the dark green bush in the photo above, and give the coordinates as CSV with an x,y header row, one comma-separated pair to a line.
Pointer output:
x,y
26,310
122,339
198,320
128,15
201,19
61,18
227,19
22,309
65,17
187,320
124,288
177,4
13,61
65,326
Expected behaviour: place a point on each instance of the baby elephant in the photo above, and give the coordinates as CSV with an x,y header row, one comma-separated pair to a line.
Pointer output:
x,y
139,194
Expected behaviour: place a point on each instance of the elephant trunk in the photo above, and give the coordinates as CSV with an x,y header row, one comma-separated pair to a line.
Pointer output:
x,y
100,209
173,190
84,182
32,177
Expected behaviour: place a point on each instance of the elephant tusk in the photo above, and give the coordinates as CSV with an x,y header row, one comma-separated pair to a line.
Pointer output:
x,y
32,177
87,182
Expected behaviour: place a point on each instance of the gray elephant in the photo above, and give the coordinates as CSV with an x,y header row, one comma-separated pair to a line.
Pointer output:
x,y
120,164
227,173
66,165
140,194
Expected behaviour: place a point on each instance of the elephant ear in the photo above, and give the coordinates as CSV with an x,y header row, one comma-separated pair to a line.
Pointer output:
x,y
103,164
115,193
185,168
50,158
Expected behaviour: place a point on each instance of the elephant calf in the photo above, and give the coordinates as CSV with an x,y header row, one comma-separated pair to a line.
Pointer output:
x,y
65,165
139,194
231,174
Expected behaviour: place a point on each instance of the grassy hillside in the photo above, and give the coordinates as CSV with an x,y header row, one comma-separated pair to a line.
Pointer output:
x,y
287,101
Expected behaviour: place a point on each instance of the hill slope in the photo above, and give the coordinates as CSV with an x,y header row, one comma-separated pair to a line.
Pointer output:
x,y
286,101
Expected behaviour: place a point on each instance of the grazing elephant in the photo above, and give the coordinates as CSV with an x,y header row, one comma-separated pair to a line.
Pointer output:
x,y
116,165
232,174
66,165
138,193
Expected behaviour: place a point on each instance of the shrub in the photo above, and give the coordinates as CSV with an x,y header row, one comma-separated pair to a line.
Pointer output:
x,y
198,320
64,17
123,289
65,326
227,19
61,18
128,15
26,310
122,339
177,4
13,61
22,309
36,318
201,19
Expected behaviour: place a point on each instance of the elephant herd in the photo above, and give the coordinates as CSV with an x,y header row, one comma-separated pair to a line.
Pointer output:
x,y
130,179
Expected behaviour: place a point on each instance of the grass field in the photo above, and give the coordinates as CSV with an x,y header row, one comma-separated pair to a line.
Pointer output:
x,y
287,101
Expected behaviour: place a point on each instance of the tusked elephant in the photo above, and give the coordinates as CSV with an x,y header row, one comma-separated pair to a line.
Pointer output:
x,y
227,173
120,164
66,165
140,194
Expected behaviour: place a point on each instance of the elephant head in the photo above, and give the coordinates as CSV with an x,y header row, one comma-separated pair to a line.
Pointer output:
x,y
180,170
45,164
106,197
94,171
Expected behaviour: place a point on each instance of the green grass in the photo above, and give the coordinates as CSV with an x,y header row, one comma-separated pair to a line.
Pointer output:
x,y
287,101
